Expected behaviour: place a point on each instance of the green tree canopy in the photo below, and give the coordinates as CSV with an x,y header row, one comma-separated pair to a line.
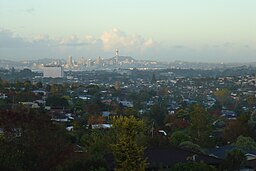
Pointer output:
x,y
191,146
193,166
97,142
235,160
57,101
200,126
245,143
222,95
178,137
128,154
157,113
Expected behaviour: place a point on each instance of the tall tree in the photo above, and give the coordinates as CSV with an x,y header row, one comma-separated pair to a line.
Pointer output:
x,y
128,154
158,113
200,125
235,128
235,160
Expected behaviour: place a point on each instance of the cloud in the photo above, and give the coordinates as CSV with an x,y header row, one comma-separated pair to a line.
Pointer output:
x,y
178,46
40,37
116,38
74,40
13,46
9,40
42,41
29,10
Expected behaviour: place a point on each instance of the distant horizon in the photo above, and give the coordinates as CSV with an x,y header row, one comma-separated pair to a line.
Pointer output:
x,y
175,61
202,31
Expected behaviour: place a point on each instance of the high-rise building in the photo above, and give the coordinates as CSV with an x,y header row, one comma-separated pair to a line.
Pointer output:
x,y
53,71
89,63
82,61
70,61
98,61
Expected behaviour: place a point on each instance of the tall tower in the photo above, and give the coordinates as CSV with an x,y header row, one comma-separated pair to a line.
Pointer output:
x,y
116,52
117,60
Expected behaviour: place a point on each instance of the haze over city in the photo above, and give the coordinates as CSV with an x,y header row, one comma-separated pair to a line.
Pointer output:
x,y
195,30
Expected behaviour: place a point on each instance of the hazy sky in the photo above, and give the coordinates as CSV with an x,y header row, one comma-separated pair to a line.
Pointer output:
x,y
166,30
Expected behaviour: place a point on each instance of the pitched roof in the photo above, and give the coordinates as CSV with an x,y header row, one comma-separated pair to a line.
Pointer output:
x,y
173,155
168,157
221,152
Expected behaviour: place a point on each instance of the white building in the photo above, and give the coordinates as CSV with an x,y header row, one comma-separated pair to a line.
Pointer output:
x,y
53,71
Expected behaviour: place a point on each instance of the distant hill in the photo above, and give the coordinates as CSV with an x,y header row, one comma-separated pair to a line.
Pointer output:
x,y
123,58
8,63
46,60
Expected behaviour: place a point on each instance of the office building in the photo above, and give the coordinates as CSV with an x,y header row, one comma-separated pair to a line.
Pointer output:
x,y
53,71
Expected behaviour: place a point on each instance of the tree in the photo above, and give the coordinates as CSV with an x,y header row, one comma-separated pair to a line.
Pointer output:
x,y
235,160
97,142
96,119
158,114
39,85
130,111
179,137
57,101
27,84
128,154
222,95
27,142
79,106
234,129
251,100
1,84
93,108
191,146
200,126
193,166
252,120
183,114
56,89
245,143
3,103
175,123
26,96
163,91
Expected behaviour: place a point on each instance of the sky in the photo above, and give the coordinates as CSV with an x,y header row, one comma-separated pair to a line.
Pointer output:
x,y
163,30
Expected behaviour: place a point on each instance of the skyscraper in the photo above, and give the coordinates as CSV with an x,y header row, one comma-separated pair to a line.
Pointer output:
x,y
70,61
98,61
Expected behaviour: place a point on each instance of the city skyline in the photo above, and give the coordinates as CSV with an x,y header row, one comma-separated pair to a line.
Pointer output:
x,y
219,31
